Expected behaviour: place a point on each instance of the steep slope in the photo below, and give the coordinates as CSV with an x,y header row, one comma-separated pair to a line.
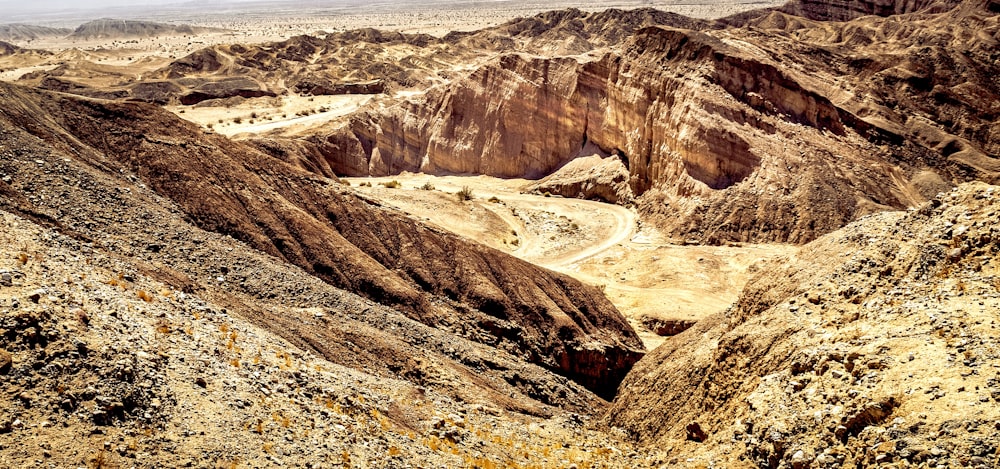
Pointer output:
x,y
105,363
876,344
780,131
437,279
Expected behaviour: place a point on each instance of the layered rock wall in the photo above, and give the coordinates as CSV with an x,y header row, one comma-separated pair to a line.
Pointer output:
x,y
780,132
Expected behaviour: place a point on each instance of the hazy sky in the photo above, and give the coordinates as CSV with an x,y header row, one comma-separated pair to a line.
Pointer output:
x,y
76,4
41,4
14,10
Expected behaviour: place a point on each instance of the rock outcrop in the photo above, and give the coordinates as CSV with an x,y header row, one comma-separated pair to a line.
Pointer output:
x,y
724,140
314,223
596,177
875,344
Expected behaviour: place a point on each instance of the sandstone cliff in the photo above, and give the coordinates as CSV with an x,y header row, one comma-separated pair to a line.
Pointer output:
x,y
876,344
781,131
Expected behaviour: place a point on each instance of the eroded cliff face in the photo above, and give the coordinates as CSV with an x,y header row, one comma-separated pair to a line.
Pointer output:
x,y
678,106
844,10
780,132
521,116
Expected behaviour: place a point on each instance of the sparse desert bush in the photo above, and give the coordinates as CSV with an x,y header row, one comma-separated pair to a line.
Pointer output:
x,y
393,184
464,194
495,199
365,184
144,296
238,120
427,186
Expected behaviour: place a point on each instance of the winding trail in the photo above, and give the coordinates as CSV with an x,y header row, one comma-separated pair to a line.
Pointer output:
x,y
614,224
583,212
643,273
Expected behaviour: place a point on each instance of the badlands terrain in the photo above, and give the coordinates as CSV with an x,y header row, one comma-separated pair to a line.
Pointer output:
x,y
502,235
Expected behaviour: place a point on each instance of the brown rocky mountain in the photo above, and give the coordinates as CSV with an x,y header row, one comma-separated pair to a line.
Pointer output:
x,y
875,345
104,364
364,61
847,10
852,117
224,187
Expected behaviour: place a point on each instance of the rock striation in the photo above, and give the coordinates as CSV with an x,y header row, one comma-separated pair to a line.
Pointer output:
x,y
724,138
849,10
110,28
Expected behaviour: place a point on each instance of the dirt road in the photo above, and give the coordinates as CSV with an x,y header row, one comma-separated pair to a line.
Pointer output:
x,y
644,274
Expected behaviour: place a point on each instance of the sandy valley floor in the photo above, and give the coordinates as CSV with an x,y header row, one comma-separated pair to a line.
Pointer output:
x,y
646,276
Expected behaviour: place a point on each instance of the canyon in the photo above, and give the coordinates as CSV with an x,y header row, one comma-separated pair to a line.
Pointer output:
x,y
595,237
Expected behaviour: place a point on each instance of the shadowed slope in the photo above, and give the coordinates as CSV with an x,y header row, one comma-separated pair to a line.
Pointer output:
x,y
436,278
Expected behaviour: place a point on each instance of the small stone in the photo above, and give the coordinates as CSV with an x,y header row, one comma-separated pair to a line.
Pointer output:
x,y
955,254
36,295
800,460
201,382
695,433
